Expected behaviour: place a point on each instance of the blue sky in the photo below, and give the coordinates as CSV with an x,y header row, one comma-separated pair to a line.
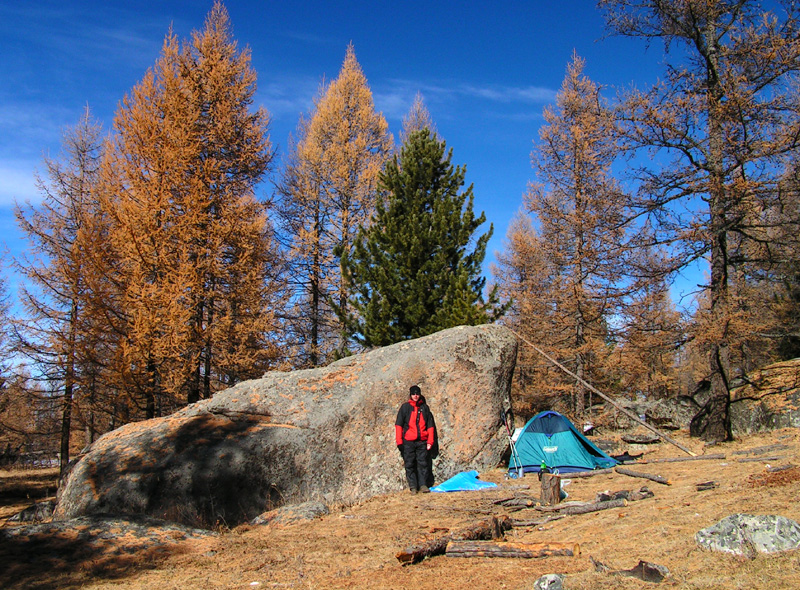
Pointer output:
x,y
485,70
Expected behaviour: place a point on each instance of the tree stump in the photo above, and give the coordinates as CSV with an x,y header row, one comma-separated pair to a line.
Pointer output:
x,y
551,489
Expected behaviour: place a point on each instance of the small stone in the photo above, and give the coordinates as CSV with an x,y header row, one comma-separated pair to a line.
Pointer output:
x,y
549,582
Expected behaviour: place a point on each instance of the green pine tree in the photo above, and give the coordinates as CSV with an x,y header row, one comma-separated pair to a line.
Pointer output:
x,y
412,271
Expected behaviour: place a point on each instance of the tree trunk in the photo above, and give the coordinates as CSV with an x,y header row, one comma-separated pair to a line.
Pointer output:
x,y
718,426
69,387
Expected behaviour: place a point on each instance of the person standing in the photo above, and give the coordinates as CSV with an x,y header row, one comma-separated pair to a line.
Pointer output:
x,y
414,435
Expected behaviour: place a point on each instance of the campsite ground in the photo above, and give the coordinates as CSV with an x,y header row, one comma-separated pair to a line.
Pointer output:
x,y
355,546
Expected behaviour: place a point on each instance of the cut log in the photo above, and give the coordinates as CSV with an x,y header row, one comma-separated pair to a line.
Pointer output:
x,y
759,459
655,478
492,528
517,550
678,459
551,489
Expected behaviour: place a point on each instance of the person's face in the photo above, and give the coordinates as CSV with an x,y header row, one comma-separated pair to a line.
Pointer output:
x,y
415,396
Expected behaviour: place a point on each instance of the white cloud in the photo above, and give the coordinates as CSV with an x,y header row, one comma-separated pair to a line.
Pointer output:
x,y
449,92
17,182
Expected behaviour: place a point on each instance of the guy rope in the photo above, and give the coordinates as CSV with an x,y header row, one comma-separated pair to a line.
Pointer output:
x,y
588,385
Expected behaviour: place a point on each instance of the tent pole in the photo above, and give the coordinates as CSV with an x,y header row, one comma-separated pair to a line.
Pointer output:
x,y
625,411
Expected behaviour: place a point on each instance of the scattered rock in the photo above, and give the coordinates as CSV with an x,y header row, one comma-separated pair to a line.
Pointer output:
x,y
641,439
549,582
747,535
39,512
290,437
626,457
606,445
644,570
631,495
293,513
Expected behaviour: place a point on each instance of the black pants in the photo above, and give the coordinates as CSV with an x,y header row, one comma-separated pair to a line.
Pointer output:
x,y
415,457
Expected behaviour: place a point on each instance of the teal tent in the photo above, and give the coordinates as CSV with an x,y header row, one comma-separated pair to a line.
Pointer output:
x,y
550,439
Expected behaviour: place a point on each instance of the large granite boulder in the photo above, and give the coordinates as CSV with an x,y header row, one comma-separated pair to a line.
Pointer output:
x,y
322,434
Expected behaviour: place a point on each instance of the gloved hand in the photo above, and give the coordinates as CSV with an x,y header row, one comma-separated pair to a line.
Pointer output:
x,y
400,448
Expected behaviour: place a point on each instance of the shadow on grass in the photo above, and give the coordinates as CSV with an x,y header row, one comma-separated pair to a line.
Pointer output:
x,y
70,553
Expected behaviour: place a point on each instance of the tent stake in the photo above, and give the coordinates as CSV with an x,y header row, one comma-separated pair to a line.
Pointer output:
x,y
625,411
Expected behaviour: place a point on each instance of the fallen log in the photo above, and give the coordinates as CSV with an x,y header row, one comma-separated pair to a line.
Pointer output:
x,y
778,468
492,528
560,507
516,502
536,521
759,459
761,450
586,473
593,507
507,549
655,478
677,459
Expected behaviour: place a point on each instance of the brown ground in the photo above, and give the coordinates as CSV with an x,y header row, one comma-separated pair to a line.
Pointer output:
x,y
355,546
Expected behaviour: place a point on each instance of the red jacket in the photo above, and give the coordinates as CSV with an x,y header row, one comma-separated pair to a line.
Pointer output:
x,y
414,422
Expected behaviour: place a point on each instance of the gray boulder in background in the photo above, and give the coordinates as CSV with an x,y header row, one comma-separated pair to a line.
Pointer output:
x,y
322,434
747,535
769,400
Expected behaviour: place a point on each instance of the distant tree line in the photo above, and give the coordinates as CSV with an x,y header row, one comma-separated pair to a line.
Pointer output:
x,y
156,274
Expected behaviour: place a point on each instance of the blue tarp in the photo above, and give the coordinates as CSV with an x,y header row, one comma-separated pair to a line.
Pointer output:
x,y
463,482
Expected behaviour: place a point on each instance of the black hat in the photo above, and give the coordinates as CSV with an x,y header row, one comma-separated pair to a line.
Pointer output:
x,y
414,389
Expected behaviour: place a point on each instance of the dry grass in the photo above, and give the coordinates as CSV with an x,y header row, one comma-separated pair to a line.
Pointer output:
x,y
354,547
20,488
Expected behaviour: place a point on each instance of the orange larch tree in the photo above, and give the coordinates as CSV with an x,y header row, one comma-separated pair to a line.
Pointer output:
x,y
57,331
199,270
579,212
721,121
327,191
